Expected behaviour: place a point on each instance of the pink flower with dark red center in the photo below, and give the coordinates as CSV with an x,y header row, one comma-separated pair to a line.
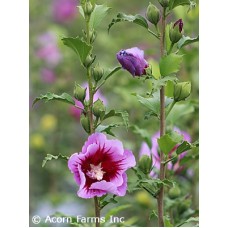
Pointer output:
x,y
75,112
175,166
133,61
64,10
100,167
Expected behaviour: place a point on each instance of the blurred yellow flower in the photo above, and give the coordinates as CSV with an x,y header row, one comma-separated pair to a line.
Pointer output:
x,y
143,198
48,122
37,141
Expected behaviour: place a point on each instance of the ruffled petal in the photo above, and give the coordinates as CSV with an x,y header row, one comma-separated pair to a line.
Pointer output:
x,y
121,190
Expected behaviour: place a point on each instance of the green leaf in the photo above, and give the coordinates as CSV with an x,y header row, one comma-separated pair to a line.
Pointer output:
x,y
98,15
64,97
116,210
184,146
137,19
174,3
153,104
178,111
123,114
186,40
167,221
79,46
168,141
49,157
110,72
192,219
143,133
105,201
158,83
108,128
170,64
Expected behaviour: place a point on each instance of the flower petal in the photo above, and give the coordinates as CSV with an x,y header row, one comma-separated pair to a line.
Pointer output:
x,y
121,190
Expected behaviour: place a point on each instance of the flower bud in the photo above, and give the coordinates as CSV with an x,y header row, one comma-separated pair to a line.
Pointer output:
x,y
164,3
174,192
89,60
92,36
84,120
153,14
97,72
184,205
98,108
182,90
88,8
79,93
145,164
175,31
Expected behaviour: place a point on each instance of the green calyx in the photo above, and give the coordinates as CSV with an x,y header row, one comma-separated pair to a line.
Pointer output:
x,y
182,90
97,73
79,93
153,14
145,164
98,108
164,3
174,192
84,120
174,34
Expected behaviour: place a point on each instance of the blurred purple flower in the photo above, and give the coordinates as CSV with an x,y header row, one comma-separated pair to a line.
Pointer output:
x,y
48,75
64,10
133,61
156,157
48,50
75,112
100,167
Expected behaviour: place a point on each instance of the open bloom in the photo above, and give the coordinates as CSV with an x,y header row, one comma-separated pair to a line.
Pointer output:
x,y
75,112
133,61
100,167
175,165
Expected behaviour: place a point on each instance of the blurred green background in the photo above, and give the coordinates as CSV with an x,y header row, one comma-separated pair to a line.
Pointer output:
x,y
55,128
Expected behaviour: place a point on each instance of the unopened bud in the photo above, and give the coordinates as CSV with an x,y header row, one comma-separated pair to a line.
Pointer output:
x,y
153,14
174,192
89,60
145,164
84,120
98,108
79,93
97,72
175,32
92,36
182,90
164,3
88,8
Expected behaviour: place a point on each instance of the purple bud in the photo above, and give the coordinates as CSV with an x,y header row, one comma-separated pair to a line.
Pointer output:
x,y
133,61
180,24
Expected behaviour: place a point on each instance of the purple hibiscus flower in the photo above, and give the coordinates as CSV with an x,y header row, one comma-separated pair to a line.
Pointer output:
x,y
64,10
175,166
100,167
75,112
133,61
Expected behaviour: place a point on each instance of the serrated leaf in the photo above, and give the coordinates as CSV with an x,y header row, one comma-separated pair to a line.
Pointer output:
x,y
168,141
108,128
123,114
170,64
64,97
137,19
158,83
174,3
116,210
79,46
153,104
98,15
49,157
186,40
143,133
